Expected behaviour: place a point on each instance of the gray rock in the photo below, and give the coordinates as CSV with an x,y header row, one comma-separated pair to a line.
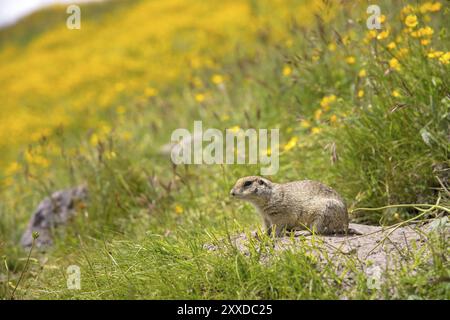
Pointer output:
x,y
51,213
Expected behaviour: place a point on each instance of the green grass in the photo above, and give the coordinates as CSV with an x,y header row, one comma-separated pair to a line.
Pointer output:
x,y
131,243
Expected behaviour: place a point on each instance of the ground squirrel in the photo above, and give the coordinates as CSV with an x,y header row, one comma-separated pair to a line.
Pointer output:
x,y
298,205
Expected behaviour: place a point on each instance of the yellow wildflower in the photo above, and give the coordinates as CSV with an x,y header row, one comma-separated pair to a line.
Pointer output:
x,y
326,101
360,93
318,114
408,9
382,18
332,47
383,35
333,119
305,124
391,45
350,60
127,136
110,155
394,64
289,43
396,93
197,82
402,52
217,79
119,86
434,54
372,34
120,110
315,130
430,7
13,168
94,139
425,42
234,129
178,209
287,70
411,21
362,73
427,31
199,97
291,144
150,92
445,58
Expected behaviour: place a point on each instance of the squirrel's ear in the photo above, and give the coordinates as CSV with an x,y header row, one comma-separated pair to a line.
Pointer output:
x,y
262,182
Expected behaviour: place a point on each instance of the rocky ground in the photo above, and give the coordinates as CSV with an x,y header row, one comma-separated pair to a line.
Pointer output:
x,y
376,250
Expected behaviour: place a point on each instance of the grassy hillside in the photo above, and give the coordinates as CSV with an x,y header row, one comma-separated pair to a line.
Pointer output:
x,y
364,111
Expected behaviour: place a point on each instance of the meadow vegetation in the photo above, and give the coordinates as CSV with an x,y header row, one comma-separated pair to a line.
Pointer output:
x,y
365,111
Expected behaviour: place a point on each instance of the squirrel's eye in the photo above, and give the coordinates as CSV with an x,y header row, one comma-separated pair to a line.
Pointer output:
x,y
247,184
261,182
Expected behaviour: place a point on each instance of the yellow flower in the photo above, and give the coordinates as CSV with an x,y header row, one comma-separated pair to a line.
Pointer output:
x,y
435,7
291,144
445,58
287,70
427,31
119,86
120,110
333,118
13,168
391,45
422,32
346,40
305,124
350,60
198,83
402,52
396,93
199,97
408,9
430,7
110,155
234,129
326,101
315,57
332,47
150,92
372,34
382,18
127,136
217,79
178,209
315,130
360,93
289,43
425,42
394,64
383,35
362,73
94,139
434,54
36,159
411,20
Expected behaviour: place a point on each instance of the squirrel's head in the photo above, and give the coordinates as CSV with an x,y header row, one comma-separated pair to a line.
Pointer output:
x,y
254,189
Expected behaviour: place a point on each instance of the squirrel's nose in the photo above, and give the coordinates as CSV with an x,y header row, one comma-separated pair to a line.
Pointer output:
x,y
232,193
